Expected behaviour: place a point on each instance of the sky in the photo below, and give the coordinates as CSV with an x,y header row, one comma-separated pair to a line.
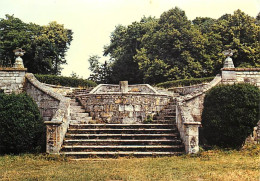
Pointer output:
x,y
93,21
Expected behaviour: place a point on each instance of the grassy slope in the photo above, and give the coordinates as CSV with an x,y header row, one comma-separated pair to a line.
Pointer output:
x,y
210,165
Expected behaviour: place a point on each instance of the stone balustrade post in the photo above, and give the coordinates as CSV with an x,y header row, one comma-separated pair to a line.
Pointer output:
x,y
123,86
192,137
53,136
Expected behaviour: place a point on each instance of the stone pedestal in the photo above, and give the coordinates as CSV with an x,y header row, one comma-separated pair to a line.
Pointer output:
x,y
53,137
228,74
18,63
229,63
12,80
123,86
192,137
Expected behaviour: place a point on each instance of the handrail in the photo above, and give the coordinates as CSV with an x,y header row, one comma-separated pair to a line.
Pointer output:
x,y
57,127
187,126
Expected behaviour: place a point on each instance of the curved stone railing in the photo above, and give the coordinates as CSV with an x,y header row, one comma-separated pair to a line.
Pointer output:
x,y
55,110
113,88
188,115
189,89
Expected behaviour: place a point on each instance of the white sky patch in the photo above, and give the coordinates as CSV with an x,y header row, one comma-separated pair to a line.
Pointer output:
x,y
92,21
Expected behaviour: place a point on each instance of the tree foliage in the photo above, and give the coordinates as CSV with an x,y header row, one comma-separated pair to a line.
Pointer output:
x,y
45,46
101,73
73,81
172,47
224,121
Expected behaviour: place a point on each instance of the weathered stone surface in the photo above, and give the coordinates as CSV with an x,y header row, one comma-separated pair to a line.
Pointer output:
x,y
123,107
55,110
11,80
240,75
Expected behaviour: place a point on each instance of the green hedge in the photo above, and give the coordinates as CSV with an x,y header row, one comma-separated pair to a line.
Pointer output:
x,y
21,125
184,82
65,81
230,113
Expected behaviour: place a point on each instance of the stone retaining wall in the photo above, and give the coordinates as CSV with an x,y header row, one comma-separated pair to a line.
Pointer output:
x,y
123,107
241,75
12,79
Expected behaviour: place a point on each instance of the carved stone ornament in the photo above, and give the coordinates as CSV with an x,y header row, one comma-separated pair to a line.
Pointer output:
x,y
18,61
228,63
193,142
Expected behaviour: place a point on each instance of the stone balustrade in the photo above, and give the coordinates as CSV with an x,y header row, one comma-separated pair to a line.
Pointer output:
x,y
55,110
188,89
188,116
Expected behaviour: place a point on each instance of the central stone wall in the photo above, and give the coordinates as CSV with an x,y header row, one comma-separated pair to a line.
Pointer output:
x,y
123,107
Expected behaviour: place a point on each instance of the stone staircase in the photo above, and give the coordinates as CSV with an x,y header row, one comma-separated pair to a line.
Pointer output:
x,y
77,113
157,138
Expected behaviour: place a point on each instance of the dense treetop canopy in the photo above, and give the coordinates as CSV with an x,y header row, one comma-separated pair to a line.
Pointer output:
x,y
172,47
45,46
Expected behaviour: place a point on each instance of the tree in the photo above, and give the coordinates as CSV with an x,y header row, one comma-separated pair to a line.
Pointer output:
x,y
172,47
258,18
177,44
124,43
45,46
241,33
101,73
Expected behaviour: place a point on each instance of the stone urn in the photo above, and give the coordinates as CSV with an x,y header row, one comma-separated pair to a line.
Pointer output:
x,y
18,61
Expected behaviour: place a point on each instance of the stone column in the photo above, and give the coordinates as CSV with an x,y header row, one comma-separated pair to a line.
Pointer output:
x,y
123,85
192,137
53,137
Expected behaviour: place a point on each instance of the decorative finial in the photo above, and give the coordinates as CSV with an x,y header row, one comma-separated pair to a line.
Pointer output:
x,y
19,61
228,53
228,61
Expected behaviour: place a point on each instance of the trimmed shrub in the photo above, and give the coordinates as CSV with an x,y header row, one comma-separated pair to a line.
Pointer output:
x,y
230,113
184,82
21,125
65,81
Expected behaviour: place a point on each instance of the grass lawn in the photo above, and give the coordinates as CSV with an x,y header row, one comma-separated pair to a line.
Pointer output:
x,y
208,165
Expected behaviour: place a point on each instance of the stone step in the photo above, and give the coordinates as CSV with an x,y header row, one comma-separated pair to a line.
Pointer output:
x,y
77,116
169,117
122,136
86,120
120,153
123,126
121,142
170,106
93,148
74,103
77,108
121,146
111,130
159,120
168,110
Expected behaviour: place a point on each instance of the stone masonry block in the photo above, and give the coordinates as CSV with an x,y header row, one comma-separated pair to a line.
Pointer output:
x,y
121,108
129,108
137,107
